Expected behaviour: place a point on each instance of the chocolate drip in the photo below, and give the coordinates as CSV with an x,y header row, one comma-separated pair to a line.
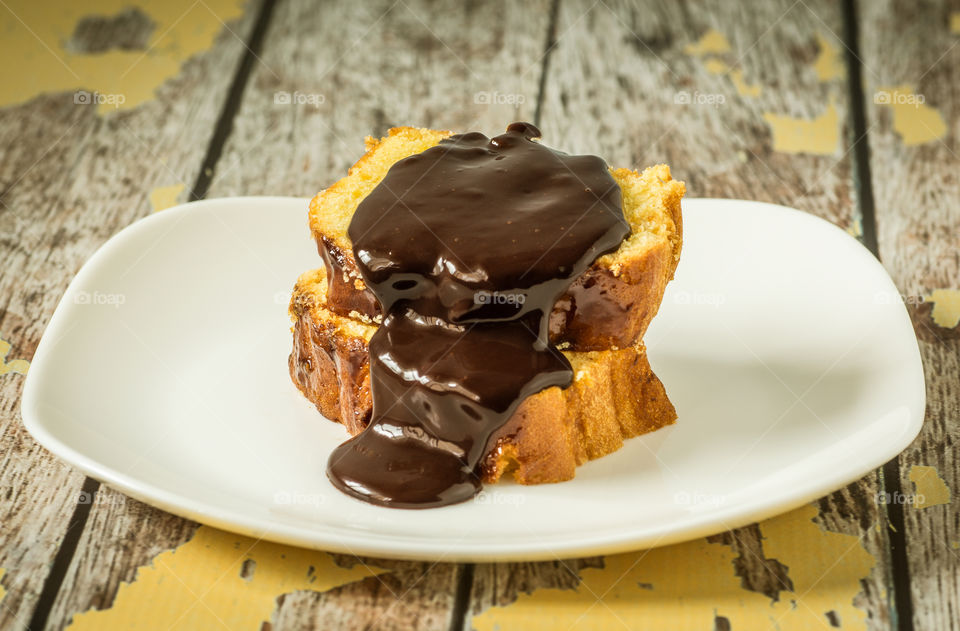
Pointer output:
x,y
467,247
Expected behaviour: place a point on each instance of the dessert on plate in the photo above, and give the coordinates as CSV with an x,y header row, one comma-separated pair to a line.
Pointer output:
x,y
480,312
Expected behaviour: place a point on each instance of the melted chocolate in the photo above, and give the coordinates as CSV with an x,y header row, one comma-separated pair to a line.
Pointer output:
x,y
467,246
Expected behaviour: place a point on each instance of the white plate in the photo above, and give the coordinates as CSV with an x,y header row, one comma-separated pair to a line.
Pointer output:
x,y
782,342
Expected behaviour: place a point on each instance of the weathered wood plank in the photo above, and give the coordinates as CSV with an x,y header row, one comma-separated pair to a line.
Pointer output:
x,y
69,178
911,70
386,64
746,103
356,70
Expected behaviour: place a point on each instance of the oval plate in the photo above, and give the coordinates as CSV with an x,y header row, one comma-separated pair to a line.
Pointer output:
x,y
782,342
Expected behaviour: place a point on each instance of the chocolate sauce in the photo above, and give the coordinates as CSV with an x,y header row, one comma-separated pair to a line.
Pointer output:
x,y
467,246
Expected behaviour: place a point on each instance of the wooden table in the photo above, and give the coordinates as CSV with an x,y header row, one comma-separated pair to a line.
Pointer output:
x,y
117,109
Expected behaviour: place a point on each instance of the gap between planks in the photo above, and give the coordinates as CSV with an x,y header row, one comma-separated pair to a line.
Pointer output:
x,y
902,605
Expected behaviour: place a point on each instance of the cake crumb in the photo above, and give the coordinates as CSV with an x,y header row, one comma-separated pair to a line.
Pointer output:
x,y
356,315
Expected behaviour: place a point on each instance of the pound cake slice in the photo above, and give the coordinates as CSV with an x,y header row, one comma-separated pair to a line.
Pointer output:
x,y
614,396
608,307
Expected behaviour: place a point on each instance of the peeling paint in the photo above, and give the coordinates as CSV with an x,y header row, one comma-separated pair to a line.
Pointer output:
x,y
20,366
820,135
930,488
744,88
946,307
712,41
914,121
3,592
694,583
955,23
855,229
829,63
38,59
716,66
201,585
164,197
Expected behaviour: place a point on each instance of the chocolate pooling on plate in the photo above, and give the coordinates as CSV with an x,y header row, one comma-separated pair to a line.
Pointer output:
x,y
466,246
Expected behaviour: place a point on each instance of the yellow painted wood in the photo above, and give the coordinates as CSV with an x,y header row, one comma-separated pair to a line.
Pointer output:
x,y
743,88
914,121
829,62
217,580
716,66
712,41
930,488
687,586
36,61
164,197
715,43
946,307
20,366
819,136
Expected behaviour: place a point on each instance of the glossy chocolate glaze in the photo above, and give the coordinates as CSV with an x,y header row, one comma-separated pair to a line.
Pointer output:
x,y
466,246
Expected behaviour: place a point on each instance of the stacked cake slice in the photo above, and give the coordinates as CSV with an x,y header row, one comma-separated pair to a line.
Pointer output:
x,y
598,325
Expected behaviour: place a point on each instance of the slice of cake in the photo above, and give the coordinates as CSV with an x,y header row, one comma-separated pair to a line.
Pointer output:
x,y
481,311
609,306
614,395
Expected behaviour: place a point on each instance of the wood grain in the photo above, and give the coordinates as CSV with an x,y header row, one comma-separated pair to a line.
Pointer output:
x,y
617,76
69,179
917,196
385,64
623,84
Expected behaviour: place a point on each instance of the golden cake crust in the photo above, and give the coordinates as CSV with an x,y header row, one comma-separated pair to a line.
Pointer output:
x,y
614,396
609,306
